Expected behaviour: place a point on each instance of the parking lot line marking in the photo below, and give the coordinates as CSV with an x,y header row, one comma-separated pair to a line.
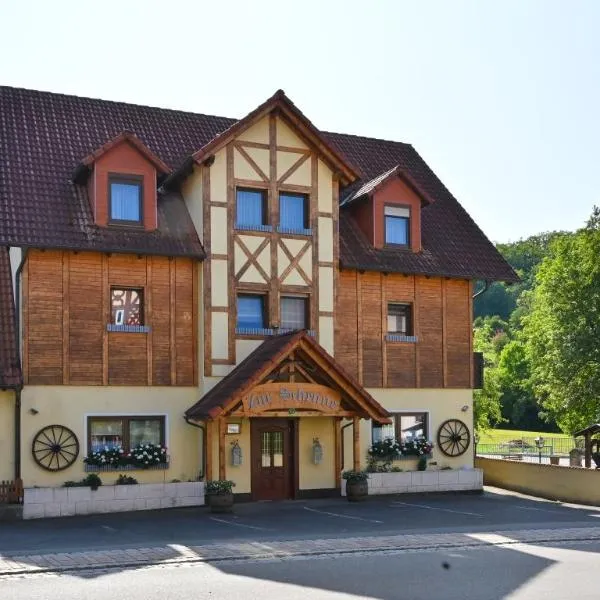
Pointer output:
x,y
331,514
456,512
238,524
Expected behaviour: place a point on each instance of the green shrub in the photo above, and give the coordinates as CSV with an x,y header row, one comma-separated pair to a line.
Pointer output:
x,y
220,486
126,480
355,476
422,464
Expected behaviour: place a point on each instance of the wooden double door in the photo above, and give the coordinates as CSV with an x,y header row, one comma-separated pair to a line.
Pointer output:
x,y
274,460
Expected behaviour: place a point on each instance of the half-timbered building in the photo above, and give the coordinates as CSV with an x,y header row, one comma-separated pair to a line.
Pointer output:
x,y
260,298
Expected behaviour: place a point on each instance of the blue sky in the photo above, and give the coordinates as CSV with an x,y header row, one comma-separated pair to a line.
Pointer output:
x,y
500,98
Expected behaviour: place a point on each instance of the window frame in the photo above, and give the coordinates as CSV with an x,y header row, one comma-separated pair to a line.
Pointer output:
x,y
130,180
408,225
306,205
397,418
126,420
141,294
265,309
265,226
307,312
409,319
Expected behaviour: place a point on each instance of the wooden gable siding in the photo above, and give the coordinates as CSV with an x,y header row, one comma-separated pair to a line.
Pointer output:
x,y
440,358
66,309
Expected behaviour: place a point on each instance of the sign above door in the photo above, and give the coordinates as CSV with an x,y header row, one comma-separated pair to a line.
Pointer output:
x,y
292,397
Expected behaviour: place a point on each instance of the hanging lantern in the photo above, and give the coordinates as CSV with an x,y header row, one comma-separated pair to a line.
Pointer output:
x,y
317,451
236,454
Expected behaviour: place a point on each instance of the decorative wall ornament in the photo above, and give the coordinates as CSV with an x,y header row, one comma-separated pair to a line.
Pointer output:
x,y
236,454
317,451
453,437
55,447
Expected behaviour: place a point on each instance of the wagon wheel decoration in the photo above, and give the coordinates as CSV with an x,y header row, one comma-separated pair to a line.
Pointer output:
x,y
453,437
55,448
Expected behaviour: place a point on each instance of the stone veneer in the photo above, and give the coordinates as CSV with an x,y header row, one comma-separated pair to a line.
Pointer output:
x,y
408,482
66,502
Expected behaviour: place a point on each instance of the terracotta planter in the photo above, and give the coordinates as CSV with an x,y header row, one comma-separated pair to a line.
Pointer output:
x,y
221,503
357,491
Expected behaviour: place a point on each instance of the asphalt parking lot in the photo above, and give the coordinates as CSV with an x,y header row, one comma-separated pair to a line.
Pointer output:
x,y
298,520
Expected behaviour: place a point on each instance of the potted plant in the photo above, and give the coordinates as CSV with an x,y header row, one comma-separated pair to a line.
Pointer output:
x,y
220,495
357,485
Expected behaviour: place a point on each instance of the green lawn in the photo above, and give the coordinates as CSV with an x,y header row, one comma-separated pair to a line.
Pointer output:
x,y
492,436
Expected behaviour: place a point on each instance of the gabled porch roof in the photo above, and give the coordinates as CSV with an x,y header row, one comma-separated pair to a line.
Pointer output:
x,y
273,359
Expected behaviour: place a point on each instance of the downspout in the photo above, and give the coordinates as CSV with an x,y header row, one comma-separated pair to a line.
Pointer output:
x,y
483,290
19,387
342,442
203,428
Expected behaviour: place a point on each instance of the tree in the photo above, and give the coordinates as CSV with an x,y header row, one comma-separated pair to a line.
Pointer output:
x,y
563,328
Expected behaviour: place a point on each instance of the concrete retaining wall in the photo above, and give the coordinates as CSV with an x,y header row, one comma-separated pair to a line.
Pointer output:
x,y
66,502
423,481
568,484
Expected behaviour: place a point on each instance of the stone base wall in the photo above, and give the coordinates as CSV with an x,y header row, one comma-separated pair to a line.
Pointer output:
x,y
409,482
67,502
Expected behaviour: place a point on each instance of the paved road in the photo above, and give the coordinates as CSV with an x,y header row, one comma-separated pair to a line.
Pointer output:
x,y
515,572
497,545
494,510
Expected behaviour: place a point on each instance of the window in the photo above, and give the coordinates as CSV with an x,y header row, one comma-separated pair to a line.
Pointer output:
x,y
405,427
250,311
397,225
127,305
251,208
399,319
125,199
293,212
294,312
124,432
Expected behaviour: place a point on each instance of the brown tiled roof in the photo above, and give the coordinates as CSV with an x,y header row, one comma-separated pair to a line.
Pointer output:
x,y
44,136
453,245
10,371
261,362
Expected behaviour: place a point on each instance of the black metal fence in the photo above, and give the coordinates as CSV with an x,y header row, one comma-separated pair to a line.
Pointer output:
x,y
527,447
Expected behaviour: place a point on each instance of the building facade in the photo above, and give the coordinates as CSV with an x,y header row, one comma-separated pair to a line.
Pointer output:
x,y
251,299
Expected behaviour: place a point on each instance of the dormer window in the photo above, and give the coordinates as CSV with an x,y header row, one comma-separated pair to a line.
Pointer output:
x,y
125,199
397,225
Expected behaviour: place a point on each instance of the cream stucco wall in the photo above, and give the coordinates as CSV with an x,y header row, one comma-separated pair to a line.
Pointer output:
x,y
259,132
287,137
326,289
7,439
191,190
218,224
242,169
441,404
313,476
218,178
219,283
325,185
69,406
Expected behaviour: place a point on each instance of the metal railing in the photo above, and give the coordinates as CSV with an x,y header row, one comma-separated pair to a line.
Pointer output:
x,y
526,446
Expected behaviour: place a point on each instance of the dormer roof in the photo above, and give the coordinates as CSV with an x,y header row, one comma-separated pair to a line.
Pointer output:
x,y
83,168
372,185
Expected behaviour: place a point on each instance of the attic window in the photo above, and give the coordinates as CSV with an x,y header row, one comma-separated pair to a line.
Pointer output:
x,y
397,225
125,199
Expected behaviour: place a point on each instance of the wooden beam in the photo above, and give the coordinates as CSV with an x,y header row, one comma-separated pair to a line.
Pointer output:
x,y
222,464
384,365
206,275
356,443
338,461
273,210
445,336
209,451
359,332
107,318
148,319
65,317
172,314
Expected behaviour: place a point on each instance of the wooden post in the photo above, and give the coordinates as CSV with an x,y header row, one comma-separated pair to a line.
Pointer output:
x,y
337,423
588,450
209,455
356,447
222,465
